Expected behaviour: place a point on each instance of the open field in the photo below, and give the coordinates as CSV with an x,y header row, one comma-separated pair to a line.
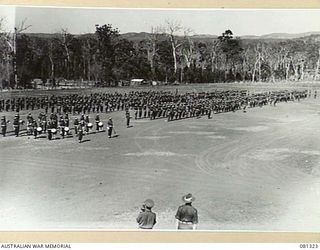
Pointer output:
x,y
258,170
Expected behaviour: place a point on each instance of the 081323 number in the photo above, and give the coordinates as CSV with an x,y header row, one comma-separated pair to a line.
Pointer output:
x,y
309,246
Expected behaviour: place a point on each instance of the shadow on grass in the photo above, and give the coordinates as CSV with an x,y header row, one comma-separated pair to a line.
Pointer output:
x,y
83,141
41,136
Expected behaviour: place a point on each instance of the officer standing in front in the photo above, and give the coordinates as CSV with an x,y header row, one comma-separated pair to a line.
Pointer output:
x,y
187,215
146,218
4,125
16,125
128,118
110,127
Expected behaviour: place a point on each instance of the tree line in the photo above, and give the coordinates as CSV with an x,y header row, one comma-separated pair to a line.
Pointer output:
x,y
167,54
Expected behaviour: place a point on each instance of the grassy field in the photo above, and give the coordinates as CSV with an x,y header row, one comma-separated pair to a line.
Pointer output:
x,y
258,170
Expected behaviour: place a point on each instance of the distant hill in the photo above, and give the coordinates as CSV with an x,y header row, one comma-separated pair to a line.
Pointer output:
x,y
281,36
288,36
41,35
203,37
139,36
135,36
250,37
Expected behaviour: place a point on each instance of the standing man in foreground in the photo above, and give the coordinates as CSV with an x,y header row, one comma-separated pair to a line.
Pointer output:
x,y
128,117
4,126
187,215
110,127
16,124
146,218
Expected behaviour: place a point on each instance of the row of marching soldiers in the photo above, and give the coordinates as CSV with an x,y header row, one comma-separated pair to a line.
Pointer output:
x,y
148,103
16,125
56,124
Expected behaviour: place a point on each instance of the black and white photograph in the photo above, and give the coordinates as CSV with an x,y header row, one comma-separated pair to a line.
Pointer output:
x,y
159,119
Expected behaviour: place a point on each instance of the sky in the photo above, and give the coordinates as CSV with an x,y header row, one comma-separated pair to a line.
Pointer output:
x,y
200,21
7,15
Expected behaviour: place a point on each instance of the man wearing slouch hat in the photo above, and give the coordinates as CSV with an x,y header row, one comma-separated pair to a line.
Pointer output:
x,y
187,215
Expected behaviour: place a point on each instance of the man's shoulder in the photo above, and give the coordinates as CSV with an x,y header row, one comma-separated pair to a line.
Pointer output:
x,y
190,207
150,213
141,213
146,213
181,207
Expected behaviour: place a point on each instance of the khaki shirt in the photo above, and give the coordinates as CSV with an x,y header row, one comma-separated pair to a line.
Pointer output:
x,y
146,219
187,213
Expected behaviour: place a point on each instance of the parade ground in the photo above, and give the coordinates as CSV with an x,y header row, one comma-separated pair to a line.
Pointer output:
x,y
250,171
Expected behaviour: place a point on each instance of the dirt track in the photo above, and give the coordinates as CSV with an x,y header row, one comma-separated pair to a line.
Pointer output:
x,y
258,170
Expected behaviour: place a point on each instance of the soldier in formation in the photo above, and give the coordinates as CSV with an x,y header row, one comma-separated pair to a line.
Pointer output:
x,y
4,123
146,105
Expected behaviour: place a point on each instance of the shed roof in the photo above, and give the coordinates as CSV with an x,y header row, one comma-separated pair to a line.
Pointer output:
x,y
137,80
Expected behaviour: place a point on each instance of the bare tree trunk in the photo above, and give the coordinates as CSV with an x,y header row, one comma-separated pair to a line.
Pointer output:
x,y
172,29
14,55
188,61
14,58
244,67
153,54
65,44
153,37
255,69
8,67
287,70
89,66
150,56
259,70
152,64
296,72
302,71
174,54
52,77
212,62
253,73
84,68
88,70
272,78
257,64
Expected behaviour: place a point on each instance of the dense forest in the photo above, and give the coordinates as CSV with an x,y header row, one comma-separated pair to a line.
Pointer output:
x,y
170,54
